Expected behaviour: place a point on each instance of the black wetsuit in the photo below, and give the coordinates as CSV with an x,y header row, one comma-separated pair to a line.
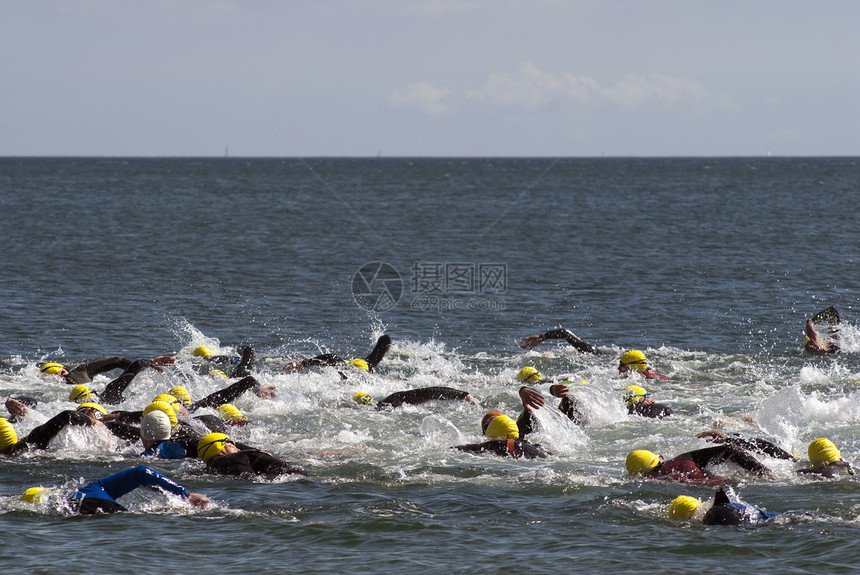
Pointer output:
x,y
113,392
759,446
421,395
510,447
578,343
251,461
654,410
226,395
85,372
41,436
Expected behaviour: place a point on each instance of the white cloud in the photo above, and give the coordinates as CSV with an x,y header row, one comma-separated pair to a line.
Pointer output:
x,y
421,95
632,91
532,88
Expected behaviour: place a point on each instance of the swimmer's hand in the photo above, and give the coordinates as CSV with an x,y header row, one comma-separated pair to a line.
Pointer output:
x,y
712,436
471,399
198,500
16,408
559,390
532,399
266,391
295,366
532,341
157,363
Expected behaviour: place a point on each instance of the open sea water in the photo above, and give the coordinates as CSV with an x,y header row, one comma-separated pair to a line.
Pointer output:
x,y
709,265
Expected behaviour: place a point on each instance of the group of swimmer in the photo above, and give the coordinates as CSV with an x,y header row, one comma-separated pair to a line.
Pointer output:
x,y
167,429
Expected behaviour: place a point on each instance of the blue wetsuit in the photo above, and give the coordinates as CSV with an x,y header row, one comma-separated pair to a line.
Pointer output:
x,y
101,495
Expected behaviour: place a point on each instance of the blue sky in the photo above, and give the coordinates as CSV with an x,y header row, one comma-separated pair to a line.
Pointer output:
x,y
430,78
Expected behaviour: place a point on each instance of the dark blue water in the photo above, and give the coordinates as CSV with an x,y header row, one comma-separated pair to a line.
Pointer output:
x,y
709,265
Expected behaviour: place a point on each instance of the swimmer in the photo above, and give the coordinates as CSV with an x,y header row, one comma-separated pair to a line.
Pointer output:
x,y
690,467
101,496
727,509
417,397
39,437
532,341
156,428
222,456
85,372
635,360
639,402
505,439
825,460
368,364
568,405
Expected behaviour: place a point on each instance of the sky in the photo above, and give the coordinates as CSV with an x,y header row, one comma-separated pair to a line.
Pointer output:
x,y
467,78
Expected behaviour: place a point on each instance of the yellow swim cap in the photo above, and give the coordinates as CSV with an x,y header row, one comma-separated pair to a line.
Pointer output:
x,y
362,397
166,408
634,394
34,494
822,451
81,393
634,359
359,363
683,506
217,373
210,445
500,426
52,368
201,351
230,413
171,400
181,394
7,434
93,406
641,461
528,374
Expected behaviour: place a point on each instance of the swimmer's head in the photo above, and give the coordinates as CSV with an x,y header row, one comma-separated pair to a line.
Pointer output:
x,y
683,506
634,394
93,410
217,374
7,434
822,451
497,425
529,374
180,393
52,368
81,394
34,494
201,351
170,400
210,445
231,415
155,426
641,461
164,407
359,363
633,359
362,398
